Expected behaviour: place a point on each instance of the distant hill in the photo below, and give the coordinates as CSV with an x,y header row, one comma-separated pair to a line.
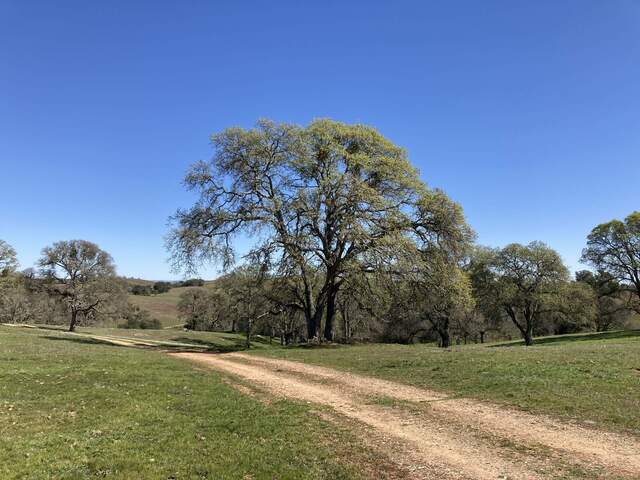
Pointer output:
x,y
137,281
163,306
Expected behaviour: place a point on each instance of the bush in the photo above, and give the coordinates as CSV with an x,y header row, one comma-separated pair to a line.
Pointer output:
x,y
161,287
193,282
142,324
136,318
141,290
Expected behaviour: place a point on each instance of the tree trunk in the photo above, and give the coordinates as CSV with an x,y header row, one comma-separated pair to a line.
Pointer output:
x,y
441,325
445,338
249,333
481,337
314,322
74,319
331,313
346,325
527,329
311,325
528,336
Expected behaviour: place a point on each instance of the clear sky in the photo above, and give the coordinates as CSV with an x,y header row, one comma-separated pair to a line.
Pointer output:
x,y
526,112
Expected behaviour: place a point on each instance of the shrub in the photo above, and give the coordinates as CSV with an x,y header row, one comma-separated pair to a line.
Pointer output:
x,y
142,324
136,318
161,287
141,290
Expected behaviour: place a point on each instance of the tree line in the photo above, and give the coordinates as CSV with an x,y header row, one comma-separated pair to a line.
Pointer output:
x,y
348,243
155,288
74,282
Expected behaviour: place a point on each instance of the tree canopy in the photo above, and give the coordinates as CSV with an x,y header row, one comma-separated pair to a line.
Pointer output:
x,y
520,281
315,200
8,259
82,275
614,248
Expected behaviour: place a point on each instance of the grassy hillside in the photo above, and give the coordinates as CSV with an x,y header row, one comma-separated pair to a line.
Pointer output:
x,y
163,306
73,408
588,377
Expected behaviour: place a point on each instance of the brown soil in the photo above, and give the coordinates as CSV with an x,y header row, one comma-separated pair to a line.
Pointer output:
x,y
439,436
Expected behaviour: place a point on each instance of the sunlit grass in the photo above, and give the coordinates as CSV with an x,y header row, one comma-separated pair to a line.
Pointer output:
x,y
73,408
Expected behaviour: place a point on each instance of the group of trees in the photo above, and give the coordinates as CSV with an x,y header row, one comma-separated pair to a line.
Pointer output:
x,y
348,244
74,282
348,240
154,288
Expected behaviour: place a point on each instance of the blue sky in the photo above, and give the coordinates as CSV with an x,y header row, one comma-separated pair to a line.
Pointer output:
x,y
527,113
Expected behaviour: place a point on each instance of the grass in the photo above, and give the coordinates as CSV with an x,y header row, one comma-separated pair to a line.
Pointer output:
x,y
174,339
74,408
163,306
587,378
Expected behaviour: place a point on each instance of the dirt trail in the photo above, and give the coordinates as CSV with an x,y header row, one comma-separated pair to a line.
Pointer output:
x,y
516,425
458,438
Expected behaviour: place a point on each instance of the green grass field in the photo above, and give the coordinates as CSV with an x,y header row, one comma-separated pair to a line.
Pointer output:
x,y
174,338
593,378
163,306
73,408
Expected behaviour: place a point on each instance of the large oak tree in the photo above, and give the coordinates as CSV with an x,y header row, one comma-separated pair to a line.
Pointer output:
x,y
314,199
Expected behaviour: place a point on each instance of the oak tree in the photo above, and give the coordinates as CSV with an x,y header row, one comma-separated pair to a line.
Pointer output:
x,y
317,198
522,282
614,248
82,275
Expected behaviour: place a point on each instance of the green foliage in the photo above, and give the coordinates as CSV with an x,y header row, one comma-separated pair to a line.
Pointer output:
x,y
137,318
322,197
8,259
612,300
83,277
161,287
523,282
614,248
141,289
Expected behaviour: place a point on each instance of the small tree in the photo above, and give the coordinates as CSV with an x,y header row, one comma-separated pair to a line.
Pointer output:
x,y
520,281
614,248
8,260
137,318
202,309
161,287
612,300
82,275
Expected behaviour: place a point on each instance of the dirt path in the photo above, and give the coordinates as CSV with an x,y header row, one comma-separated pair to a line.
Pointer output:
x,y
455,438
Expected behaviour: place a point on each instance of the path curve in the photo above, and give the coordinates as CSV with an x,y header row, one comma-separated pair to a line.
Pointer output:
x,y
462,438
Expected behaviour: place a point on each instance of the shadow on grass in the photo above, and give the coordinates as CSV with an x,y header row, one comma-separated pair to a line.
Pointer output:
x,y
83,340
191,345
574,337
237,344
